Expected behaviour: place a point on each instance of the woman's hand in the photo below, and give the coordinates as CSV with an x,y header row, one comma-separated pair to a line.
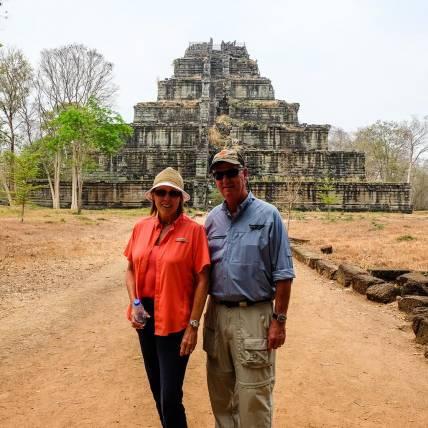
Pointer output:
x,y
188,343
137,325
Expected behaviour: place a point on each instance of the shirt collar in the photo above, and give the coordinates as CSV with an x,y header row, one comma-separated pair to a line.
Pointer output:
x,y
241,207
159,225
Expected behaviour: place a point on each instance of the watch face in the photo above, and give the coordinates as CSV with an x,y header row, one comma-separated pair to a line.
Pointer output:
x,y
281,317
194,323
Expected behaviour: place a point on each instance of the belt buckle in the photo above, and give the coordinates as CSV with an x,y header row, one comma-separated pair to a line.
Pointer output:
x,y
243,304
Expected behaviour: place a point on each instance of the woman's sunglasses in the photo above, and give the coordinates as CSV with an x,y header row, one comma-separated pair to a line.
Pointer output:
x,y
229,173
162,192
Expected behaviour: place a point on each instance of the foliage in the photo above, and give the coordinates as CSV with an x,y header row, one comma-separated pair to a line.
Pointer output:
x,y
406,238
25,171
328,195
84,131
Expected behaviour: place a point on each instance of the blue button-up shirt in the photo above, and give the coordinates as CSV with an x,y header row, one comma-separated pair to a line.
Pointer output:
x,y
249,252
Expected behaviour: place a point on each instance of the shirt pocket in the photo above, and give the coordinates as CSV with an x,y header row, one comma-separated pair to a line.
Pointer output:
x,y
249,246
216,245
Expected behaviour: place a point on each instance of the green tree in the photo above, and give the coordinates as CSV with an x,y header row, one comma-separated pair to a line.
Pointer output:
x,y
328,194
86,131
26,169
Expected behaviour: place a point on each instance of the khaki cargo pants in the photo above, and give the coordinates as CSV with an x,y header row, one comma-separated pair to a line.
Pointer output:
x,y
240,370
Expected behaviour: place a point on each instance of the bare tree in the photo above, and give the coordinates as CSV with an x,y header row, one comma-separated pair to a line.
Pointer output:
x,y
383,144
15,86
339,139
415,142
73,74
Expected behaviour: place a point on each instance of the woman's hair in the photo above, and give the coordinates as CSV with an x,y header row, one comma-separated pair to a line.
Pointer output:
x,y
180,209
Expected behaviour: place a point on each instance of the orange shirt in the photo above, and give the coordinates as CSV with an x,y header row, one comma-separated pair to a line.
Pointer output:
x,y
182,254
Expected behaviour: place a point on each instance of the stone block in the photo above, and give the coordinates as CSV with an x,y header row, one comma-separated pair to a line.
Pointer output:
x,y
420,328
360,283
305,256
346,272
326,268
382,293
413,277
327,249
387,274
414,283
408,303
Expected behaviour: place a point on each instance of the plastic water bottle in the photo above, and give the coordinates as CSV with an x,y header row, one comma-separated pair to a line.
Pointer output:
x,y
140,314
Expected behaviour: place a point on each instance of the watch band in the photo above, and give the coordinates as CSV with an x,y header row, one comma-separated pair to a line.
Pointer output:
x,y
280,317
194,323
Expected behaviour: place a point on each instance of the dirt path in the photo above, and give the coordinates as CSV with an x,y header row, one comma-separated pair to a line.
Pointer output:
x,y
74,361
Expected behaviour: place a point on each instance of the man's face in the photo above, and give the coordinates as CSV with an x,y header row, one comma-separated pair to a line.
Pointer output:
x,y
233,188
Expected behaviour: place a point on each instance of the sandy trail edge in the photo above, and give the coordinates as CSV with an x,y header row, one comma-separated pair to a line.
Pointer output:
x,y
74,361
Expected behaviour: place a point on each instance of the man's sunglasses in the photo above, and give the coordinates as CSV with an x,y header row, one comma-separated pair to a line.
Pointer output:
x,y
162,192
229,173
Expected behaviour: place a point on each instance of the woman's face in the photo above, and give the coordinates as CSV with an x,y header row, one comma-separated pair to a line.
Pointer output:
x,y
167,200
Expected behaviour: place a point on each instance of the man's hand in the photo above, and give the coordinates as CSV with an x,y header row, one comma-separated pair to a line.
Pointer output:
x,y
276,335
188,343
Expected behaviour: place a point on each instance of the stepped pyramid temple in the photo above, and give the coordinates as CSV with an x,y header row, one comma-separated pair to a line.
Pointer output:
x,y
217,98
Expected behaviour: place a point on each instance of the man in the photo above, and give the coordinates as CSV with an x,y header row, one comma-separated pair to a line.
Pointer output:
x,y
251,267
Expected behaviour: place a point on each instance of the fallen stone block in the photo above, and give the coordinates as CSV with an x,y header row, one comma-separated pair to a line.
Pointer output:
x,y
420,328
408,303
413,277
419,310
413,283
387,274
305,256
382,293
326,268
327,249
360,283
346,272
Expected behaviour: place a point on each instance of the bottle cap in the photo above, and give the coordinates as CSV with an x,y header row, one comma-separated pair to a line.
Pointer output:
x,y
137,302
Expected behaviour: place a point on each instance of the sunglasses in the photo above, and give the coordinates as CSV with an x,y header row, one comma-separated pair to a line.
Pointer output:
x,y
162,192
229,173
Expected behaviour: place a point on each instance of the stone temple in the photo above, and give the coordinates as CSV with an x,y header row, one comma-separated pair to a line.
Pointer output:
x,y
217,98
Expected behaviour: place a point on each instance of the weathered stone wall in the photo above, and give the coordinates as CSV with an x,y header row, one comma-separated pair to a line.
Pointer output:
x,y
167,112
296,137
171,137
351,196
345,166
271,112
179,89
188,67
259,89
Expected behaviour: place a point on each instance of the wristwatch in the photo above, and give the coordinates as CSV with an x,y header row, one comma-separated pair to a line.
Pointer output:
x,y
281,318
194,323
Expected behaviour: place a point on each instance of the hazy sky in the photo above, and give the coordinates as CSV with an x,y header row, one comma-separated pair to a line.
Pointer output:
x,y
348,63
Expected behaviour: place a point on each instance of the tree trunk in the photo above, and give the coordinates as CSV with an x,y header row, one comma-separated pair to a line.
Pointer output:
x,y
6,189
79,191
22,210
74,184
57,177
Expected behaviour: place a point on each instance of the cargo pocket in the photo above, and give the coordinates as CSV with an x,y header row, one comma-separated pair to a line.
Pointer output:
x,y
209,342
254,353
209,339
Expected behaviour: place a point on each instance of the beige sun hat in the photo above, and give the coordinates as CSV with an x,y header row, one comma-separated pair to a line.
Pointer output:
x,y
168,177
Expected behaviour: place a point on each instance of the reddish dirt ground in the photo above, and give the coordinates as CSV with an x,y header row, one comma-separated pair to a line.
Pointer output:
x,y
68,356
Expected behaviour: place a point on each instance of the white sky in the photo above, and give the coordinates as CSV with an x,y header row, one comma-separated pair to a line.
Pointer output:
x,y
348,63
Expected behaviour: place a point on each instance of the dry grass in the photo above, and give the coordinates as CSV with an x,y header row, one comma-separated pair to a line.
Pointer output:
x,y
367,239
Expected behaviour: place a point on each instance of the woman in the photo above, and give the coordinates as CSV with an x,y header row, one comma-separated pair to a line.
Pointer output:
x,y
168,261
